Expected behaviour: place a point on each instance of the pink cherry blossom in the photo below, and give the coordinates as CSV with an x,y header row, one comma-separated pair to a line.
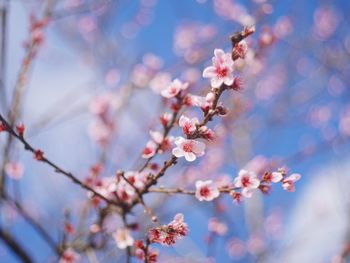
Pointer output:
x,y
198,101
218,227
248,181
221,71
14,170
169,234
138,179
100,132
160,82
240,50
274,177
100,104
188,125
69,256
165,143
190,149
149,150
123,238
288,182
165,118
206,133
206,190
105,186
174,88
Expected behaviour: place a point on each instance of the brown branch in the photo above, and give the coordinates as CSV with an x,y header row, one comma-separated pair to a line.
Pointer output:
x,y
15,110
171,191
166,131
56,168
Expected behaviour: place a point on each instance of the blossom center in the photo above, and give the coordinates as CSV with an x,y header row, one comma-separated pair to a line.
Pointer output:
x,y
245,181
187,147
222,72
204,191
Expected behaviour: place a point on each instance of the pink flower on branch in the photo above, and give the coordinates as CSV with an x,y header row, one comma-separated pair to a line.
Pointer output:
x,y
288,182
190,149
247,181
240,50
168,234
188,125
123,238
274,177
221,71
174,89
206,190
149,150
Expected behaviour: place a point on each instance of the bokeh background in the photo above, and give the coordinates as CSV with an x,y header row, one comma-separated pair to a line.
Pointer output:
x,y
294,109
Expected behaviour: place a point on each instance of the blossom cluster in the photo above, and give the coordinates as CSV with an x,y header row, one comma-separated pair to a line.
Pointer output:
x,y
122,186
244,185
170,233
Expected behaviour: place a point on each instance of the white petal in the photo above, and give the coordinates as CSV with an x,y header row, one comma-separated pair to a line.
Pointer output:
x,y
294,177
219,52
183,120
276,177
190,157
199,147
254,183
177,152
229,80
246,192
216,82
209,72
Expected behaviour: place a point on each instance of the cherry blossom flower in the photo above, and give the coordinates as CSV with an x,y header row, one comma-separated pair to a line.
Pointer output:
x,y
165,143
190,149
247,181
221,71
123,238
174,88
188,125
160,81
165,118
149,150
169,234
140,252
105,186
288,182
236,248
206,133
237,197
100,132
206,190
125,191
217,227
274,177
69,256
198,101
100,104
14,170
240,50
138,179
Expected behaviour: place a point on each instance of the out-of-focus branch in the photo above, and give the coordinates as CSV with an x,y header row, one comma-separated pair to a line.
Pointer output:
x,y
15,108
14,246
3,43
